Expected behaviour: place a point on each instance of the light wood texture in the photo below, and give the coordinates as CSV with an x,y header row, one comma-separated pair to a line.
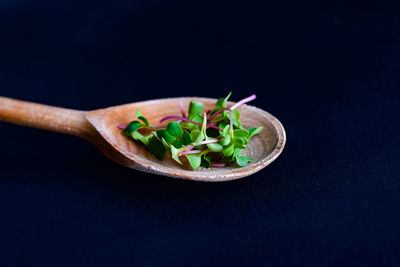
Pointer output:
x,y
100,128
45,117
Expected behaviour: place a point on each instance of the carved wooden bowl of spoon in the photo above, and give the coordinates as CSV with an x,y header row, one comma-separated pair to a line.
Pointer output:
x,y
100,128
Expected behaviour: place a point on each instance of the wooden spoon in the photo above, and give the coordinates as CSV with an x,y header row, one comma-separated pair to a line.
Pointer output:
x,y
100,128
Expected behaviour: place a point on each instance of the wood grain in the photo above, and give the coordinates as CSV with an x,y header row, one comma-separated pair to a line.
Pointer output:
x,y
68,121
100,128
263,148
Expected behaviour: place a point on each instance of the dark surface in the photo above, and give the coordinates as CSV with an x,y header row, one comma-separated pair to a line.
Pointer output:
x,y
329,72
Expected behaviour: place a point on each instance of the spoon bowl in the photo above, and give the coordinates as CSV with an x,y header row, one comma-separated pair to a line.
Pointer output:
x,y
100,128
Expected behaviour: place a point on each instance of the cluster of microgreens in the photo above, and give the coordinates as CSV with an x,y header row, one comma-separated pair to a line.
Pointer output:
x,y
214,138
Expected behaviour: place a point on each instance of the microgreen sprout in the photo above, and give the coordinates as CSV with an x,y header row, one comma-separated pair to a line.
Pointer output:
x,y
213,139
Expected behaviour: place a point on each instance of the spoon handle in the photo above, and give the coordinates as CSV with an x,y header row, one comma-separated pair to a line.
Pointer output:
x,y
45,117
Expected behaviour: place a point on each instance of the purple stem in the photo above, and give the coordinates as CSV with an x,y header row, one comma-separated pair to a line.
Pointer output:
x,y
218,164
215,127
182,109
216,113
243,101
211,125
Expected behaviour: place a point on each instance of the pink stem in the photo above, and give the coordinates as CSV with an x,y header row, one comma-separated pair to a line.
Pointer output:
x,y
172,117
189,148
218,164
230,121
182,109
186,152
121,126
243,101
210,141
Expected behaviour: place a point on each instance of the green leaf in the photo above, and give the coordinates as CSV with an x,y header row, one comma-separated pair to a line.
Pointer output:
x,y
218,105
174,129
236,152
132,126
239,142
236,117
142,118
194,160
197,136
240,146
226,130
240,133
138,136
196,118
221,103
177,143
186,138
168,146
227,97
242,160
157,147
206,161
204,125
223,124
164,134
254,131
228,151
215,147
174,153
195,108
226,116
226,140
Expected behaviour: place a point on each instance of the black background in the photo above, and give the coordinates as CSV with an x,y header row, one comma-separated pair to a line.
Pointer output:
x,y
328,71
